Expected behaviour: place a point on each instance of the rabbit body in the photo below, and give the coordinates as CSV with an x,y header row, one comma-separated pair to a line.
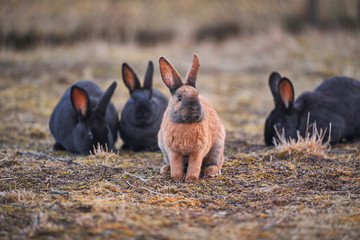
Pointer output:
x,y
83,118
336,100
142,114
191,133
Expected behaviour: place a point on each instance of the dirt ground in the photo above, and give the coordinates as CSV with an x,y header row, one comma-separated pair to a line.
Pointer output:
x,y
262,193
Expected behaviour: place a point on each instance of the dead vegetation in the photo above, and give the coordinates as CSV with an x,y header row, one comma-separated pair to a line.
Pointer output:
x,y
26,25
259,195
287,192
303,190
313,143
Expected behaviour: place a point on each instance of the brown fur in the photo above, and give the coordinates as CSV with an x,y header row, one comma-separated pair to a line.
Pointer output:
x,y
197,143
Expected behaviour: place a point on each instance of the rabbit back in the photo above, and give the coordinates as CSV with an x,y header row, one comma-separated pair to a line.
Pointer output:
x,y
335,100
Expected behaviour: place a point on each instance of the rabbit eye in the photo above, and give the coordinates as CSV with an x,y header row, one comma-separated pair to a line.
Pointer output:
x,y
91,136
179,98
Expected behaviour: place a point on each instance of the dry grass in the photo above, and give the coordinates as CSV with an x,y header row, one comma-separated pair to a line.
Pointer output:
x,y
312,144
106,156
21,196
42,22
261,194
99,150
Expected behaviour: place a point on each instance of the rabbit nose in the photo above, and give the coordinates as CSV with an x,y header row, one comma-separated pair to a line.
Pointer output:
x,y
193,105
143,110
194,108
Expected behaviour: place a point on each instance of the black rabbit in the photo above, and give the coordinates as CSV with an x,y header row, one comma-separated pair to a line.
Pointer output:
x,y
84,117
142,113
336,100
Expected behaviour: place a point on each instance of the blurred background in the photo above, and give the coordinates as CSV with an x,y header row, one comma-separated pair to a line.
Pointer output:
x,y
47,45
26,25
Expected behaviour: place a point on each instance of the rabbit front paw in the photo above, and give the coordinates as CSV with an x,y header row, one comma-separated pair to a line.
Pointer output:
x,y
191,178
212,171
165,169
177,177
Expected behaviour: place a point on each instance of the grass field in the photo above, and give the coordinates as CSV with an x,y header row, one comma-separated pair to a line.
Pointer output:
x,y
263,192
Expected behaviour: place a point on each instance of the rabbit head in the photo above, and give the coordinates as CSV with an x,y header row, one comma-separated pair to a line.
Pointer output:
x,y
142,112
92,128
284,118
184,105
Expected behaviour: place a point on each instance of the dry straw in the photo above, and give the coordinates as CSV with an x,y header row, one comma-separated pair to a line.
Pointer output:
x,y
312,144
99,150
103,154
18,195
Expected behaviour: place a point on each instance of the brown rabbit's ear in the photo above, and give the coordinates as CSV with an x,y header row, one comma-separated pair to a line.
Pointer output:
x,y
79,100
286,92
193,70
130,79
169,75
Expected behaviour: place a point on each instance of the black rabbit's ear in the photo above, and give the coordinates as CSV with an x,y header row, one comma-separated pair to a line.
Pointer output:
x,y
105,99
130,79
169,75
193,70
274,80
286,92
80,100
149,76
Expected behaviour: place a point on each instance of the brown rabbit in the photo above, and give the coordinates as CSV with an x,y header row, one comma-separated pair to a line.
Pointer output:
x,y
191,133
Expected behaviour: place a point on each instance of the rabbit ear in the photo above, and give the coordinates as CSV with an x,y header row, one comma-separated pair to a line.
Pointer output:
x,y
80,100
286,92
169,75
274,80
105,99
149,76
193,70
130,79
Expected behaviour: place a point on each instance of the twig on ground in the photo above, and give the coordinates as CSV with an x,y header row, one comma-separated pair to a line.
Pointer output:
x,y
3,179
41,155
150,191
53,191
153,192
136,176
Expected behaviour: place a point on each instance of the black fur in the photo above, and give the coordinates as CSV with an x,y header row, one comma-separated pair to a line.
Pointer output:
x,y
142,113
336,100
77,131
